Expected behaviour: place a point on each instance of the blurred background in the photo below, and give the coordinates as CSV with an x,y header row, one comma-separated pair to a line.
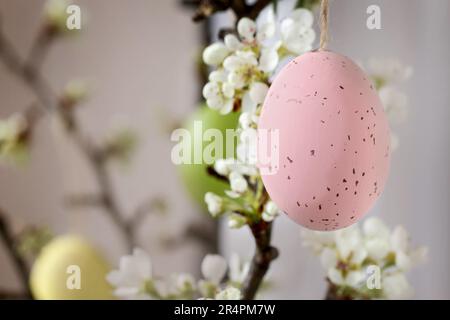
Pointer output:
x,y
140,60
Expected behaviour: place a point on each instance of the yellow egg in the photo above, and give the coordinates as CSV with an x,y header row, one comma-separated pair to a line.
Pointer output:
x,y
69,268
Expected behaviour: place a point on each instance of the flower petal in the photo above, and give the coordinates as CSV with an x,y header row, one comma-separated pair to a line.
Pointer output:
x,y
215,53
213,268
246,29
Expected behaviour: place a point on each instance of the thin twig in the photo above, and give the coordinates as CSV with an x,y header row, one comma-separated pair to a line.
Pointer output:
x,y
206,8
20,265
29,72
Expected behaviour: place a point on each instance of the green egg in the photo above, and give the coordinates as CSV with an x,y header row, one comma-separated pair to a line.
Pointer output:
x,y
194,176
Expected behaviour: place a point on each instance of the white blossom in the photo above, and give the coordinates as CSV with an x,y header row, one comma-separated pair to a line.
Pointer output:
x,y
219,96
214,268
134,271
229,293
247,151
389,70
345,254
214,203
237,270
215,53
296,31
258,92
245,62
394,103
396,286
238,183
246,29
232,42
184,282
270,212
236,221
352,279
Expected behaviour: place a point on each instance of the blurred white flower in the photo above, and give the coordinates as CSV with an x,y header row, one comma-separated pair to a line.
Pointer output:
x,y
347,241
394,103
377,249
345,255
237,270
236,221
232,42
219,96
254,97
405,256
229,293
353,278
329,258
296,31
270,212
247,151
134,272
375,227
238,183
214,268
246,29
214,203
386,75
215,53
389,70
224,166
12,134
317,240
184,282
396,286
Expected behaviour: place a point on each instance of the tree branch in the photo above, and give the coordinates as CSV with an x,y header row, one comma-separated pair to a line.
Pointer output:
x,y
29,72
264,255
206,8
20,265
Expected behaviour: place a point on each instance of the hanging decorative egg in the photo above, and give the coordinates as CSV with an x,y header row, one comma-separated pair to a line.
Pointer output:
x,y
62,263
195,177
333,143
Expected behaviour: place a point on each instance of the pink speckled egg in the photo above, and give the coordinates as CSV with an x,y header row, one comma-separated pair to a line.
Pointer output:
x,y
333,141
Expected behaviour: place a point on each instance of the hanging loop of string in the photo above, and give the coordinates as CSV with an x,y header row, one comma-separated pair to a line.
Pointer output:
x,y
323,25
